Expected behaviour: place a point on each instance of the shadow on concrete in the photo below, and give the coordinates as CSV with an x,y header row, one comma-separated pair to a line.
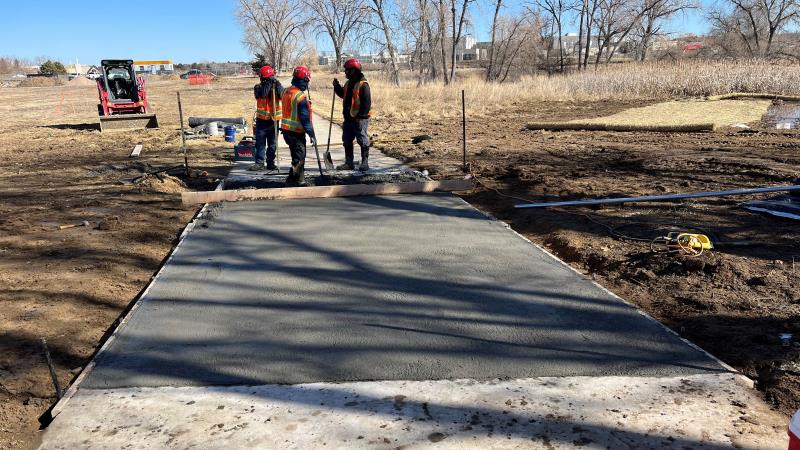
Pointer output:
x,y
379,288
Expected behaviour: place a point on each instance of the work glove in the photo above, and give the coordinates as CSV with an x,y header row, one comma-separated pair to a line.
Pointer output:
x,y
314,141
336,83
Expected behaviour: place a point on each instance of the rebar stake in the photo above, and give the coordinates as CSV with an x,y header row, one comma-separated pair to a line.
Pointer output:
x,y
52,368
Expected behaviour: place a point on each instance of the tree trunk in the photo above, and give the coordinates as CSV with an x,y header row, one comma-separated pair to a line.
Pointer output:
x,y
560,47
584,7
387,32
489,71
588,42
443,41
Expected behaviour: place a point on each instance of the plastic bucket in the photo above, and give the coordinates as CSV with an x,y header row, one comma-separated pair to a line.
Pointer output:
x,y
212,129
794,432
230,133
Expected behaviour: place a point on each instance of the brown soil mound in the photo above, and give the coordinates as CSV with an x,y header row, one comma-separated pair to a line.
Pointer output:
x,y
81,81
41,82
161,183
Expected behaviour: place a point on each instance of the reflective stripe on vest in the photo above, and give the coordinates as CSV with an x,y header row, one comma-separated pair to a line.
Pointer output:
x,y
355,105
266,108
291,119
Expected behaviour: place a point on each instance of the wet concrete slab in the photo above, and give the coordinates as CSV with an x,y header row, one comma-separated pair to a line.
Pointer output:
x,y
409,287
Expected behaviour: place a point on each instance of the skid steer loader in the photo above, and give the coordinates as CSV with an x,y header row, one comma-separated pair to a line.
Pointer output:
x,y
123,98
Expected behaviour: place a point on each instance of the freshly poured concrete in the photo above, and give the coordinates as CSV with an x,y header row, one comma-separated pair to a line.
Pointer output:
x,y
409,287
697,412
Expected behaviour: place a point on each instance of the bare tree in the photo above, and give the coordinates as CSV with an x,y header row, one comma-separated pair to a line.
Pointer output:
x,y
589,16
457,30
556,10
340,20
442,27
490,70
378,8
653,15
419,20
754,24
615,21
272,28
514,37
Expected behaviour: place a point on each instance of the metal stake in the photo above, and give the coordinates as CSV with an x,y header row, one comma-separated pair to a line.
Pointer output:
x,y
52,368
464,130
183,135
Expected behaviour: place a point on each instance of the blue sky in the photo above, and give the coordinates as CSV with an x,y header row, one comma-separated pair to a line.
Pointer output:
x,y
183,31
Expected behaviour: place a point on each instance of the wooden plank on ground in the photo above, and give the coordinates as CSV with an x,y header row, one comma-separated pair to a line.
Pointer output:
x,y
348,190
137,149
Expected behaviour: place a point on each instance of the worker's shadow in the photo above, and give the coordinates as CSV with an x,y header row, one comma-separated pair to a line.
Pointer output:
x,y
75,126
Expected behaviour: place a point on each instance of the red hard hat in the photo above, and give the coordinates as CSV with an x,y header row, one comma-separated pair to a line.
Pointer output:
x,y
267,71
302,73
352,63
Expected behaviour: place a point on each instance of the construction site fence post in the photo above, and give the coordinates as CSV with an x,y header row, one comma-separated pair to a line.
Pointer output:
x,y
183,135
464,130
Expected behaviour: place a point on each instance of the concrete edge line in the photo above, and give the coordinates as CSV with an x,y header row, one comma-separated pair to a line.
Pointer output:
x,y
73,388
749,382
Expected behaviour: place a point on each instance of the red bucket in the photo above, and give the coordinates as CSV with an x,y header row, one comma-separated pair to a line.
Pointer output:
x,y
794,432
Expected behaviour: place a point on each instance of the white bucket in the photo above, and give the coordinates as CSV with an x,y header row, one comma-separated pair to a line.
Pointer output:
x,y
212,129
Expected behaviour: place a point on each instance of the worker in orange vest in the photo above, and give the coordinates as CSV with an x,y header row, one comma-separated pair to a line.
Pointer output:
x,y
357,105
296,123
268,112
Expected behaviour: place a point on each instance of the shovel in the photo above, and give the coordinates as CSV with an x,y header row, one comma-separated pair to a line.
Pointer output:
x,y
319,163
328,159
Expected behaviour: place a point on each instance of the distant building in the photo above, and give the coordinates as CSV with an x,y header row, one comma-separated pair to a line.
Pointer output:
x,y
74,70
693,47
157,67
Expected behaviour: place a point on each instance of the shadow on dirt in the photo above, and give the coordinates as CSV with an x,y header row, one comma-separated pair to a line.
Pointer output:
x,y
75,126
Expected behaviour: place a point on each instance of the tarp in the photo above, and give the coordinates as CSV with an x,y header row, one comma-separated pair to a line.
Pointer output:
x,y
786,206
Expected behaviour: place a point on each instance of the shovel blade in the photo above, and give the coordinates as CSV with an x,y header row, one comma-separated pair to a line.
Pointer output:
x,y
328,160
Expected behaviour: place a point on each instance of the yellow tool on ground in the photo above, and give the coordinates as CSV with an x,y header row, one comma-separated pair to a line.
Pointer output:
x,y
692,244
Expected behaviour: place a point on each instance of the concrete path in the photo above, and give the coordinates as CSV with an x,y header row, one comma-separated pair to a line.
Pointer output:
x,y
394,322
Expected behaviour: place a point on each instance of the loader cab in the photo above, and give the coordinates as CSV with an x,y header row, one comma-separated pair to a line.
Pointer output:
x,y
119,80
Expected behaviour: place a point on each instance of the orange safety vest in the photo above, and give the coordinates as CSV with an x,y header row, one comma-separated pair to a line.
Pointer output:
x,y
356,103
291,120
266,108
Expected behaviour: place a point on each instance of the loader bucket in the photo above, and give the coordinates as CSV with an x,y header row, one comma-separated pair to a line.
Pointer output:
x,y
128,122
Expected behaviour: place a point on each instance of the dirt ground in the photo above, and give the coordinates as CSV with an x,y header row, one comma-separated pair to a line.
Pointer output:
x,y
70,286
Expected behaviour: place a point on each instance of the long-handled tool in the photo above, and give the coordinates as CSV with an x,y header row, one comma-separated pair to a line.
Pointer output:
x,y
328,159
276,125
319,163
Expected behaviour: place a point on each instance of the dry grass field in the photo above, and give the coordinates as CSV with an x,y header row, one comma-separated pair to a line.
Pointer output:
x,y
70,286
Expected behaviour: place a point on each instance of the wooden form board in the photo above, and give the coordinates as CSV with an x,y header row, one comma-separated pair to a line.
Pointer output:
x,y
137,149
351,190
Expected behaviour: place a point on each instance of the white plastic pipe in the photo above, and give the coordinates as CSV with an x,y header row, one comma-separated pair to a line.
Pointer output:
x,y
661,198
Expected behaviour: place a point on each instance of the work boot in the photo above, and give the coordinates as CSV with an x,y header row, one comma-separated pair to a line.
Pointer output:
x,y
364,166
271,165
296,175
346,166
256,167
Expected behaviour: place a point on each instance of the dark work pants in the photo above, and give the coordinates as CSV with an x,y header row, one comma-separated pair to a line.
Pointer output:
x,y
297,148
357,130
265,141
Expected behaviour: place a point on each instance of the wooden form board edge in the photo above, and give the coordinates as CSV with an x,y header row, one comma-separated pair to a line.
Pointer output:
x,y
137,149
346,190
